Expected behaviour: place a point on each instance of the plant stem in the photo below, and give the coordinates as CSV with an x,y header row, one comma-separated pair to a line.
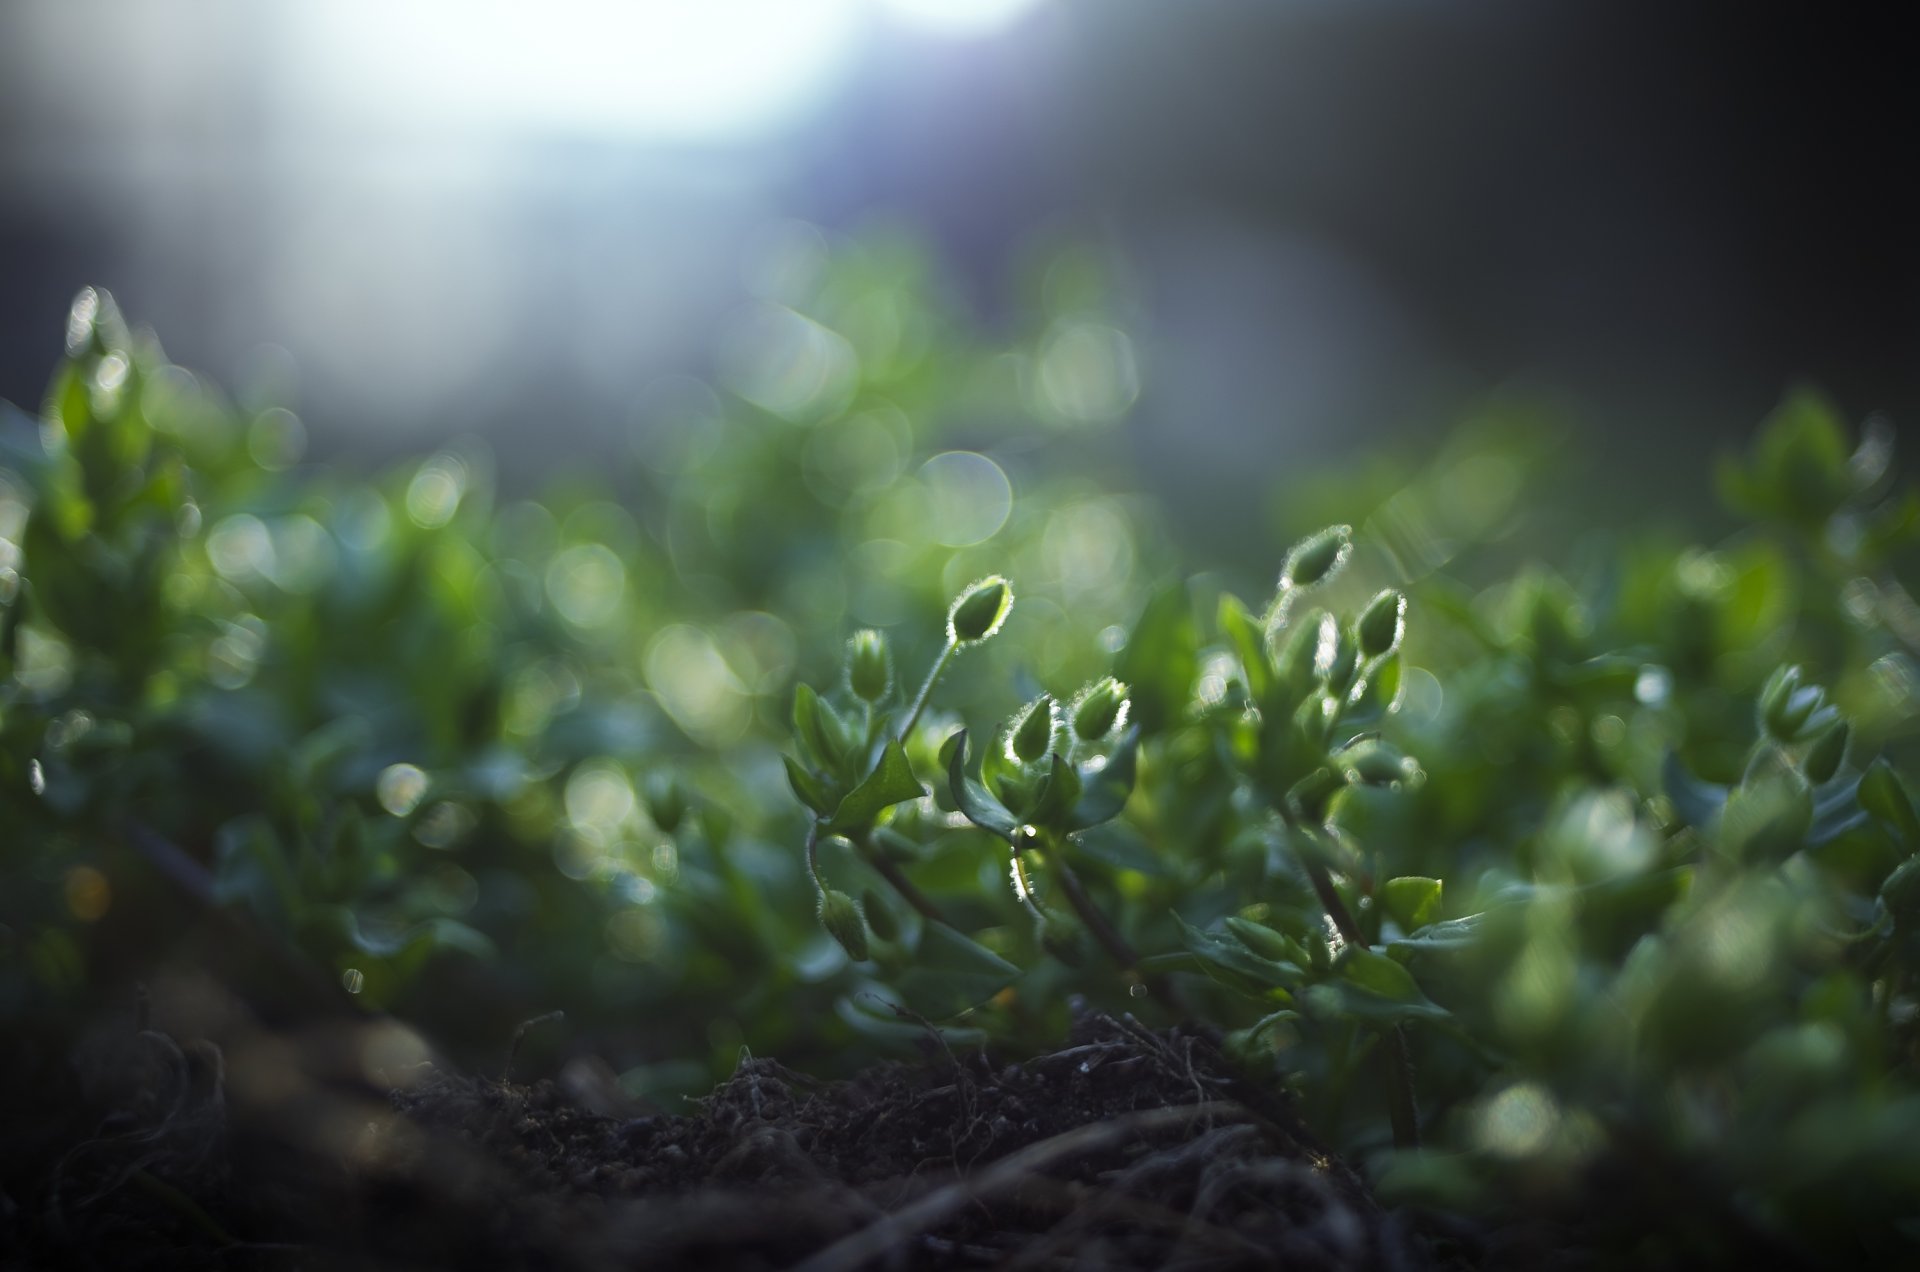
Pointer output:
x,y
1401,1109
897,878
926,689
813,853
1118,948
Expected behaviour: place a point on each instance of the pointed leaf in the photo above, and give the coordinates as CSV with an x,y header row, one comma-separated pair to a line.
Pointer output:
x,y
1886,800
951,973
1224,953
980,808
1249,645
1054,804
891,782
807,788
1413,901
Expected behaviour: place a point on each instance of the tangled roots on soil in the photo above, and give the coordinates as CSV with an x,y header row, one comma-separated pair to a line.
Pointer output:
x,y
1125,1149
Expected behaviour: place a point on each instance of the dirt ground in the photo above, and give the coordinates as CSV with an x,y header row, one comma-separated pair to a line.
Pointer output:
x,y
1125,1148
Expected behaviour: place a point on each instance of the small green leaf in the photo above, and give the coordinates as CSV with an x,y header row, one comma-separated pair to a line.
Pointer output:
x,y
951,973
1249,971
1248,643
1412,900
979,807
891,782
1882,795
1059,792
807,788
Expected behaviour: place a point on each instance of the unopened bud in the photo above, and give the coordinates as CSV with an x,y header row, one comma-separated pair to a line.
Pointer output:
x,y
844,923
1317,557
869,665
1100,707
1032,735
979,611
1823,757
1382,624
1786,704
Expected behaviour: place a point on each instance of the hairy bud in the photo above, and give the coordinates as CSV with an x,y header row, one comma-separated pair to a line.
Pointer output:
x,y
841,916
1823,757
1032,735
979,611
1100,707
869,665
1382,624
1317,557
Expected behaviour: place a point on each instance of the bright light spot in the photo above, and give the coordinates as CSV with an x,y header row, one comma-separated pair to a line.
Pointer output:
x,y
1089,548
1653,686
960,18
240,548
36,777
277,439
445,825
352,980
968,497
586,584
786,363
599,798
401,788
669,69
435,492
693,682
1087,372
1518,1122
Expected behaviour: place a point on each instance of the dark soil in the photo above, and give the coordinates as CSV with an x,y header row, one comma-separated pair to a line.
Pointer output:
x,y
1127,1148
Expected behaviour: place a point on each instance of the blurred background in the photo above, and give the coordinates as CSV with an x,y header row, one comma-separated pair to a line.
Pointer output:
x,y
1321,227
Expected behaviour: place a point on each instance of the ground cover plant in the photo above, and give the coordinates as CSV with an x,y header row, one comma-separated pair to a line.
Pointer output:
x,y
1408,900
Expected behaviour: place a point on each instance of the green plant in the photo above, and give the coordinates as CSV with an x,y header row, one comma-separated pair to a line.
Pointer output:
x,y
1519,876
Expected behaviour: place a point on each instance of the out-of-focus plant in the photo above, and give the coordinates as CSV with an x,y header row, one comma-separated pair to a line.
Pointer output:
x,y
1643,910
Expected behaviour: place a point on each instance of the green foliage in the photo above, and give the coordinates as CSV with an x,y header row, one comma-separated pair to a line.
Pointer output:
x,y
1514,873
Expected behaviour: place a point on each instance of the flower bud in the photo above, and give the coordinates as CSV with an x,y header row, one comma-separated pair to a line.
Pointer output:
x,y
979,611
1787,705
1382,624
1336,661
1032,735
869,665
1316,557
844,923
1100,707
1823,757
